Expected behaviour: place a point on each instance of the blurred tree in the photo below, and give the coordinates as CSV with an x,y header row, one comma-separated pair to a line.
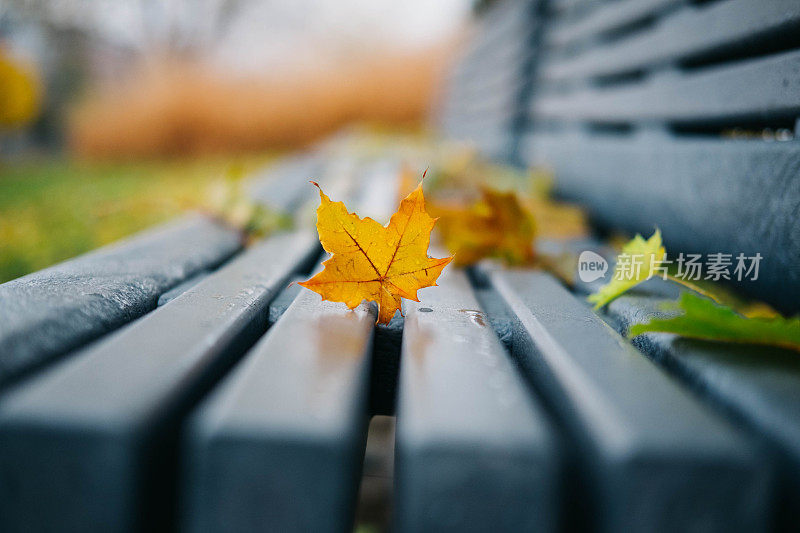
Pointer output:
x,y
172,27
20,93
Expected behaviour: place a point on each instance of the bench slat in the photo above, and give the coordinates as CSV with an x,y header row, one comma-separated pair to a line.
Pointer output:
x,y
278,446
89,444
692,32
748,189
760,385
505,79
53,311
498,106
285,185
503,22
605,18
474,452
62,308
757,89
289,423
654,458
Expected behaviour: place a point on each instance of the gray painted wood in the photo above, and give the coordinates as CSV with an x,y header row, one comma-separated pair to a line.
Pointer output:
x,y
652,458
59,309
487,86
474,452
53,311
759,385
605,18
503,20
573,247
499,108
765,88
278,446
286,429
720,27
500,317
707,195
182,287
90,444
284,186
284,299
503,83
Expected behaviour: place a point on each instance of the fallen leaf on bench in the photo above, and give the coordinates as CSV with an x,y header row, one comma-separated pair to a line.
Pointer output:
x,y
703,319
639,261
373,262
458,175
496,226
556,220
228,202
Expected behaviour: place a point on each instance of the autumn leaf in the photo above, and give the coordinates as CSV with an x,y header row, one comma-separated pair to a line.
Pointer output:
x,y
556,220
373,262
639,261
229,202
459,176
704,319
496,226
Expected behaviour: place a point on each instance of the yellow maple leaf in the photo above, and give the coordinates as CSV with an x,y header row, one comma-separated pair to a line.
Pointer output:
x,y
639,261
373,262
497,226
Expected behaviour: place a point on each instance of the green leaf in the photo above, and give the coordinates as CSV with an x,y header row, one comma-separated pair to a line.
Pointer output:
x,y
703,319
638,262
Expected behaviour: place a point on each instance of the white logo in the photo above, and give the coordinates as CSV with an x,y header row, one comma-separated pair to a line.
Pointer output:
x,y
591,266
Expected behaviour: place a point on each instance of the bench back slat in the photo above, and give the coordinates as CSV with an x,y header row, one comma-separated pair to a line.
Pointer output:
x,y
706,195
689,33
682,116
761,89
483,94
599,18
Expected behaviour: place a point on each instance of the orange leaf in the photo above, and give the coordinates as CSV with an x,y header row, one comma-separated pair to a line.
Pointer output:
x,y
373,262
495,226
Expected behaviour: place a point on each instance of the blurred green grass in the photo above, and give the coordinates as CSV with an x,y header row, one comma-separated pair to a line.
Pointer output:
x,y
54,209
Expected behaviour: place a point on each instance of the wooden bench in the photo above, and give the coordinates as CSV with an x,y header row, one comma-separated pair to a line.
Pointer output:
x,y
174,381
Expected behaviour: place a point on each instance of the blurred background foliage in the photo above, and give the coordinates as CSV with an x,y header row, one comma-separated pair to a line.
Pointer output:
x,y
115,114
20,93
53,209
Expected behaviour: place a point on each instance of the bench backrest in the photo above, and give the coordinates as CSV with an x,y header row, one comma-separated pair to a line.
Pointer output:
x,y
671,113
489,85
